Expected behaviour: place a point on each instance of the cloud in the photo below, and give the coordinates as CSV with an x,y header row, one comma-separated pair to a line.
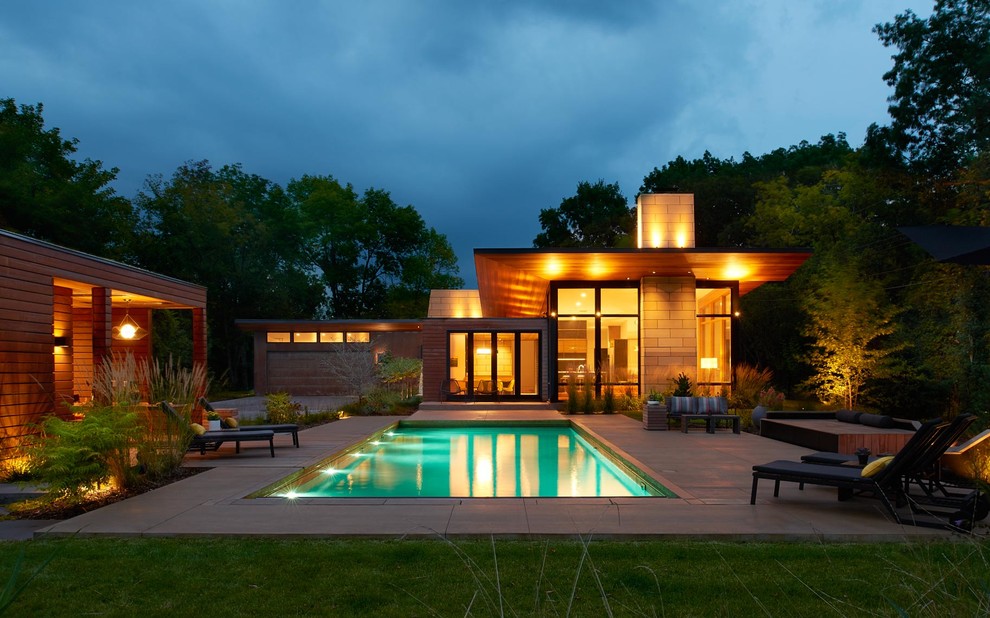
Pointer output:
x,y
478,114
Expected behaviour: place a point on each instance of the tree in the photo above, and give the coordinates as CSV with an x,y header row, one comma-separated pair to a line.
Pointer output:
x,y
236,234
372,255
45,194
850,323
596,216
725,190
941,81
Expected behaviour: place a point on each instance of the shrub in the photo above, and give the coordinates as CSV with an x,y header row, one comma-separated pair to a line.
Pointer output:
x,y
572,398
401,373
771,399
73,458
380,401
587,398
608,400
280,408
682,385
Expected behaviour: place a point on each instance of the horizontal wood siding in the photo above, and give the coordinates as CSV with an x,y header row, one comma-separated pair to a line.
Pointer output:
x,y
37,258
298,368
34,377
27,365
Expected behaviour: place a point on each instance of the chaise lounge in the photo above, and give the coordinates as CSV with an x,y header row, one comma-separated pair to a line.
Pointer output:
x,y
888,480
212,440
230,423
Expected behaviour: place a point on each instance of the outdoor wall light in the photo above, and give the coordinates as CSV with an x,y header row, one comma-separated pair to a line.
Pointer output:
x,y
61,342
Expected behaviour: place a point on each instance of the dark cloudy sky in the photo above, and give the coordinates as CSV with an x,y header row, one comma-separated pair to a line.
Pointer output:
x,y
479,114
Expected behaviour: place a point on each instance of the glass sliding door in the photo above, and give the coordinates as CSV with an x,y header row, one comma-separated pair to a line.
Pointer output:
x,y
457,362
483,360
505,364
491,365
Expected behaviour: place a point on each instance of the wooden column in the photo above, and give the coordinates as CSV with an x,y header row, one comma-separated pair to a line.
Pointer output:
x,y
102,325
199,336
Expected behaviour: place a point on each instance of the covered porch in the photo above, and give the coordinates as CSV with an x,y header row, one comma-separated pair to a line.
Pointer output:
x,y
62,313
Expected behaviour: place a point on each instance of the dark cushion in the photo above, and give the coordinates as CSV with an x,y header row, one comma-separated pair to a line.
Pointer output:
x,y
876,420
848,416
681,405
712,405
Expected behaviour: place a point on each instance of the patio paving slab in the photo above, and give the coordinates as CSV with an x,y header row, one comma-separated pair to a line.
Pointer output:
x,y
712,475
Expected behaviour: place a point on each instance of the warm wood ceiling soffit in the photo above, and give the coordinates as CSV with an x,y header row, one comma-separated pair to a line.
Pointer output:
x,y
513,283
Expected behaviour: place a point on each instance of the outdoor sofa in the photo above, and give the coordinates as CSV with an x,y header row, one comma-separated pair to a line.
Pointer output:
x,y
712,410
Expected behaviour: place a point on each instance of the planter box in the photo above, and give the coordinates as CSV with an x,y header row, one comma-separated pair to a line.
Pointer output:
x,y
655,416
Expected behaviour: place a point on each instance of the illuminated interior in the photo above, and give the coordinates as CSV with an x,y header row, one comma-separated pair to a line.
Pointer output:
x,y
500,364
714,338
597,338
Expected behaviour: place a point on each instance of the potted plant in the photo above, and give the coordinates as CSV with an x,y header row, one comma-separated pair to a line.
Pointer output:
x,y
214,420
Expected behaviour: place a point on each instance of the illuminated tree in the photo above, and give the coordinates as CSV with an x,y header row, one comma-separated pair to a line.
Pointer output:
x,y
850,326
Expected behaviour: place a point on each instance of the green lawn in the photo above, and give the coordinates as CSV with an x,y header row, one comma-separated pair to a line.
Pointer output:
x,y
235,577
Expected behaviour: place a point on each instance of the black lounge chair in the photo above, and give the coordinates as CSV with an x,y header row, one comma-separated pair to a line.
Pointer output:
x,y
212,440
290,428
889,485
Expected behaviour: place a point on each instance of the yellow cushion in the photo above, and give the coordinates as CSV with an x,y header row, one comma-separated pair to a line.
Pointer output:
x,y
230,422
874,467
198,429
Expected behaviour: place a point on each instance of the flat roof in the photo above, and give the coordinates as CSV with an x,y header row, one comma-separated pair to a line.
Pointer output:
x,y
330,325
514,282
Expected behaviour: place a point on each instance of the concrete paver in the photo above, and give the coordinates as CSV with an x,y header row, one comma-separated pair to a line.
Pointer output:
x,y
711,474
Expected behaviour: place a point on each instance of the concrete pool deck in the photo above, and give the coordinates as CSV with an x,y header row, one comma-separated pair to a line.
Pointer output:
x,y
711,474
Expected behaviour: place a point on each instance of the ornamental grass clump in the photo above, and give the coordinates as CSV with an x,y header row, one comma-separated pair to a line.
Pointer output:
x,y
117,443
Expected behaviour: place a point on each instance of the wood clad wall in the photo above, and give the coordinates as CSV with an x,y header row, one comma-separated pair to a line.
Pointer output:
x,y
298,368
27,364
33,377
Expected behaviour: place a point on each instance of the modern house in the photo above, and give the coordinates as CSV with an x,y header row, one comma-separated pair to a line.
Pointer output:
x,y
61,313
544,320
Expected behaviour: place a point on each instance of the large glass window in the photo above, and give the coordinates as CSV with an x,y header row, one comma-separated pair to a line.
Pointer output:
x,y
714,338
597,338
576,301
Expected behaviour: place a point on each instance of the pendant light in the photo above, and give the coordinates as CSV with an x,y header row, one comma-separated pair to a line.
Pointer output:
x,y
128,329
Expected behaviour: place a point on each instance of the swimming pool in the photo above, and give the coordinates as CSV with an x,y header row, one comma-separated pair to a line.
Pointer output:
x,y
479,460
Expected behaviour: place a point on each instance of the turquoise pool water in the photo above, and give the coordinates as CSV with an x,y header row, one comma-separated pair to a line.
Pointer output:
x,y
479,461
